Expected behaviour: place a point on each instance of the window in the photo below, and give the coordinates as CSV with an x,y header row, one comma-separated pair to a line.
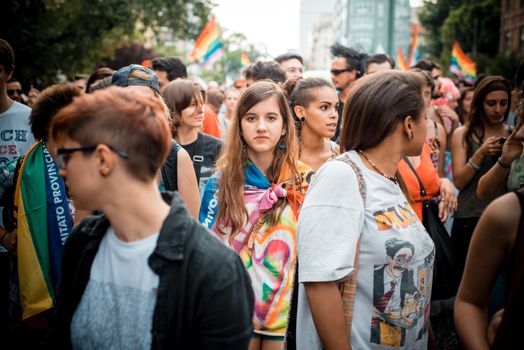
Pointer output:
x,y
507,41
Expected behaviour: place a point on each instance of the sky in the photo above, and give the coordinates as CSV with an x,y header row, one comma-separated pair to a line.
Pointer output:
x,y
273,24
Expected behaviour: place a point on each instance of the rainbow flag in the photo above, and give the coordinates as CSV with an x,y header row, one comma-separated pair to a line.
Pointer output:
x,y
44,223
208,48
461,65
401,61
414,54
244,60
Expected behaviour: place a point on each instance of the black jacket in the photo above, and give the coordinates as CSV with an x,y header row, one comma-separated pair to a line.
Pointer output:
x,y
204,301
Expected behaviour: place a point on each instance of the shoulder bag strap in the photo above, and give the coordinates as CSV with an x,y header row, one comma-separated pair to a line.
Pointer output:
x,y
198,157
348,289
423,192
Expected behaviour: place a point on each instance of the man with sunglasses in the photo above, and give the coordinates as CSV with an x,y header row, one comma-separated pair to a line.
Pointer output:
x,y
14,90
346,68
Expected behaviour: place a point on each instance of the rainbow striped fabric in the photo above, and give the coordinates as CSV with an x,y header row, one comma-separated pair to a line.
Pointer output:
x,y
463,66
244,60
44,223
208,48
413,56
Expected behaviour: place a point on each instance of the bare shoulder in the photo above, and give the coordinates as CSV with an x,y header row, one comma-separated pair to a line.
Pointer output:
x,y
501,218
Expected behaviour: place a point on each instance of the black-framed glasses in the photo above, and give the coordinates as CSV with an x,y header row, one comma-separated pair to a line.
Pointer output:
x,y
63,154
340,71
11,92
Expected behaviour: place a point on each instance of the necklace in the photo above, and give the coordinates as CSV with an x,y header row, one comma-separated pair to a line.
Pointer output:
x,y
392,178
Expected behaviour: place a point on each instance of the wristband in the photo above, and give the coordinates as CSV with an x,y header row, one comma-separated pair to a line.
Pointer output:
x,y
473,165
502,164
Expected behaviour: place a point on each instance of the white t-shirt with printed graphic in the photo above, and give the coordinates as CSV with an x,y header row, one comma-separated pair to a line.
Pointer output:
x,y
396,257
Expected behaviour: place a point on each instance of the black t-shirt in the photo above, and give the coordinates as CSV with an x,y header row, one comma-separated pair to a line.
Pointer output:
x,y
204,153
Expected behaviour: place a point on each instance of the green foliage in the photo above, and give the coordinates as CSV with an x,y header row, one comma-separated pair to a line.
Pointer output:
x,y
72,36
473,23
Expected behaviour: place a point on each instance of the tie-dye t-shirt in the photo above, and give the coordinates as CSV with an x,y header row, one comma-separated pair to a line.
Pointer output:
x,y
395,271
267,251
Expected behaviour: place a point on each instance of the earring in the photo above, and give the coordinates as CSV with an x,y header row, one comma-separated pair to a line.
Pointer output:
x,y
302,118
281,144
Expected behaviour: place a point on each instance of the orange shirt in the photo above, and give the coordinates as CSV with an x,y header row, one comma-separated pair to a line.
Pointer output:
x,y
428,175
211,125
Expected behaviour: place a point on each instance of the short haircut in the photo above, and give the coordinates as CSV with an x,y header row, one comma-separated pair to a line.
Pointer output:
x,y
99,74
47,104
393,245
430,82
289,56
7,56
215,97
173,66
178,95
427,65
354,59
380,58
102,84
124,119
266,70
13,80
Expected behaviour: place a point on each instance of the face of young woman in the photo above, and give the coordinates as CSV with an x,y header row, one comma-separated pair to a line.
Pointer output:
x,y
231,99
419,129
262,126
321,114
466,102
495,106
193,115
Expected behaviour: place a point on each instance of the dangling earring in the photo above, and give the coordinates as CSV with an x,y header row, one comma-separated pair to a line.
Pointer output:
x,y
281,144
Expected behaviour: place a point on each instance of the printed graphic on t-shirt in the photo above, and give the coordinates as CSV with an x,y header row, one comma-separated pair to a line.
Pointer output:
x,y
9,139
400,295
398,217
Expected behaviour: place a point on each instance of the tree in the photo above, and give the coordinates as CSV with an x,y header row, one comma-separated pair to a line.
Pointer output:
x,y
51,36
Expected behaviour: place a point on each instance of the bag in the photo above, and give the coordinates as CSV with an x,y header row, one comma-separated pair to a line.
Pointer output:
x,y
445,272
347,289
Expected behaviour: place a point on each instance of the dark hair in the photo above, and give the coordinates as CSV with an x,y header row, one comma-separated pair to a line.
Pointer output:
x,y
380,58
393,245
354,59
173,66
377,104
178,95
475,126
289,56
460,111
47,105
480,77
268,70
302,94
429,79
519,76
132,122
426,65
7,56
215,97
99,74
13,80
102,84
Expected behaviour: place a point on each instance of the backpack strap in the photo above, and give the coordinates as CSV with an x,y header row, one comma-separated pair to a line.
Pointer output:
x,y
169,169
348,289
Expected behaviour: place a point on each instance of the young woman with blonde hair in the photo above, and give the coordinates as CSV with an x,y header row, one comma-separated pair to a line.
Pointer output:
x,y
252,203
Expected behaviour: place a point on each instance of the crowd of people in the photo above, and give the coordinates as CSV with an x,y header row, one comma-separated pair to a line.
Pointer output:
x,y
144,209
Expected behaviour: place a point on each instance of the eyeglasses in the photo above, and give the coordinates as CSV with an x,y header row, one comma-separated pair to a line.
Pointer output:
x,y
63,154
11,92
402,260
340,71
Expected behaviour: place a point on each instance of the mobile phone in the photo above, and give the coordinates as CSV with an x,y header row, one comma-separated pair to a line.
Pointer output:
x,y
502,140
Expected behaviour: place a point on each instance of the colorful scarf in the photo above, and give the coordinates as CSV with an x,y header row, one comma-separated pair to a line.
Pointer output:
x,y
44,223
268,252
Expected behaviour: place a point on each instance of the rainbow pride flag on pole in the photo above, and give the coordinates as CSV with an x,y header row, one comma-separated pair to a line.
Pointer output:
x,y
401,61
244,59
461,65
44,223
208,48
413,52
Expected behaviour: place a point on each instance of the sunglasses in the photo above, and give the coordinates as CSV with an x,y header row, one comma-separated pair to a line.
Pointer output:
x,y
340,71
11,92
63,154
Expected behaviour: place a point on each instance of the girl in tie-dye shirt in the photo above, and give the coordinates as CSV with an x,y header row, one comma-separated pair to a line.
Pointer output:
x,y
252,203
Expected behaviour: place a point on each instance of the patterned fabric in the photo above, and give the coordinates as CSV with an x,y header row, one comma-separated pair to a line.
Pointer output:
x,y
516,174
268,252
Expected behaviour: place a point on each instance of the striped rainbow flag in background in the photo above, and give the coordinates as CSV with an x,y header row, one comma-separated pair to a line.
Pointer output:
x,y
461,65
208,48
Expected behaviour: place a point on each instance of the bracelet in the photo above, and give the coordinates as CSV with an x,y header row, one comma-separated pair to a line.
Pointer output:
x,y
502,164
473,165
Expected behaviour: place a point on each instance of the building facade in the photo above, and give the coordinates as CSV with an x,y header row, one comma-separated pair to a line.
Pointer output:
x,y
512,26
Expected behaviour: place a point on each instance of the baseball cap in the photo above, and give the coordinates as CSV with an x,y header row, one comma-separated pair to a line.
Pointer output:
x,y
121,77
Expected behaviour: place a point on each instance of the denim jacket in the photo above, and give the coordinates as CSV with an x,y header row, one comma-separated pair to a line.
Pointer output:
x,y
204,300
